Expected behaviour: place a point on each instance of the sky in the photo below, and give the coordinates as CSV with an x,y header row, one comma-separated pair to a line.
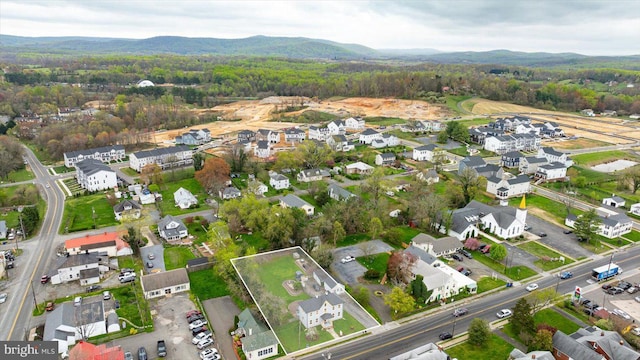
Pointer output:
x,y
604,27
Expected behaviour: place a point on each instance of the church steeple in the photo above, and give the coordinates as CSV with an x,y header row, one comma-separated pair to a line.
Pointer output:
x,y
523,203
521,211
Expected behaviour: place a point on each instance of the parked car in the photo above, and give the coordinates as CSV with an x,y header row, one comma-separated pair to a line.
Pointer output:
x,y
621,313
151,256
460,268
10,265
142,353
203,335
566,275
45,279
149,264
466,272
460,312
198,330
632,290
615,291
204,343
503,313
465,253
606,287
106,295
482,246
624,285
196,324
586,302
532,287
457,257
93,288
445,336
347,259
486,249
636,331
527,227
194,318
50,306
568,231
208,353
77,301
193,312
637,298
128,355
542,234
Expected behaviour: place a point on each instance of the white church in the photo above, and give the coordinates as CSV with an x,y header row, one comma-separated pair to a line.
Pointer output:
x,y
505,222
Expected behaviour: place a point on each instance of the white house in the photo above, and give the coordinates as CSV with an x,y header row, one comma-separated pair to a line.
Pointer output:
x,y
429,176
258,342
553,155
321,310
293,135
103,154
172,229
354,124
385,140
338,193
328,283
515,142
85,267
504,222
293,201
552,171
309,175
184,199
257,187
385,158
437,247
612,223
367,136
194,137
262,149
94,175
142,195
635,209
359,168
278,181
337,142
505,188
230,192
530,164
3,229
271,136
109,243
614,201
319,133
424,153
165,283
129,208
166,158
67,323
336,127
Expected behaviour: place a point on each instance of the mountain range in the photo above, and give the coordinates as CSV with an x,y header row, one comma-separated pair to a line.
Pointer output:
x,y
288,47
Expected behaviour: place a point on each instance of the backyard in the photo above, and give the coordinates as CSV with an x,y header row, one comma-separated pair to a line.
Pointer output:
x,y
167,205
545,316
176,257
87,212
495,348
207,284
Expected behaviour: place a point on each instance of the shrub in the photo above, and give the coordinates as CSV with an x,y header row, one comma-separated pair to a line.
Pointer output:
x,y
372,274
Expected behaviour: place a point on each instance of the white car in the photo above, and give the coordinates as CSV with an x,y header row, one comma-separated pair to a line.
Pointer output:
x,y
203,335
3,297
637,298
503,313
196,324
207,354
532,287
347,259
621,313
77,301
204,343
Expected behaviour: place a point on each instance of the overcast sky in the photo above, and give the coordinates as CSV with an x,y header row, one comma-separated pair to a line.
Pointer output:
x,y
606,27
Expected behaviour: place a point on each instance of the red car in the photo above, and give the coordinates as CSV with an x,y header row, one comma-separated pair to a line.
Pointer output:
x,y
45,279
190,313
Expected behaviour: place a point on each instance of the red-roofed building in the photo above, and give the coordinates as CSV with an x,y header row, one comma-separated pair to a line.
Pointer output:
x,y
87,351
109,242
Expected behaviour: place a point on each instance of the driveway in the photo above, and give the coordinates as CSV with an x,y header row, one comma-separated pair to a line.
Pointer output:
x,y
155,255
221,312
350,272
517,256
556,239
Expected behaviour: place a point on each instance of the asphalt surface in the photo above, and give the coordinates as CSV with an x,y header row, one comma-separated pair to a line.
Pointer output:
x,y
350,272
556,239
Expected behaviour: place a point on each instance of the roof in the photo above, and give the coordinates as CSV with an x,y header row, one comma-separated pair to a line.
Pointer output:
x,y
429,147
86,152
572,348
316,303
162,280
420,254
535,159
616,198
162,224
315,172
423,239
80,259
387,155
516,354
294,201
119,207
520,179
230,191
360,165
262,144
84,241
247,321
161,151
62,315
3,226
339,138
369,132
92,166
89,273
512,154
339,192
446,244
293,131
473,161
428,351
552,151
277,177
258,341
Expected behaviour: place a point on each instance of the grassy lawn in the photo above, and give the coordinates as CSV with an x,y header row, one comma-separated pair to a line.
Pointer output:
x,y
486,283
541,251
167,205
308,198
601,157
554,208
21,175
384,121
207,284
515,273
593,248
495,348
475,122
63,169
376,262
274,272
408,233
133,306
78,213
545,316
353,239
634,236
292,336
129,171
176,257
256,240
197,231
347,325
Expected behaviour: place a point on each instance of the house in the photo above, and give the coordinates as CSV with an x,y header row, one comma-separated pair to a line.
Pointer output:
x,y
385,140
527,129
471,162
321,310
367,136
479,134
592,343
514,142
338,193
337,142
103,154
516,354
165,283
230,192
388,158
336,127
634,209
309,175
511,159
143,195
553,155
256,187
549,130
184,199
552,171
258,342
424,152
85,267
354,124
3,229
278,181
612,224
67,324
194,137
87,351
130,209
109,243
587,112
359,168
262,149
614,201
270,136
329,284
634,116
165,157
172,229
429,176
504,222
609,113
489,170
428,351
508,187
530,164
94,175
293,201
437,247
319,133
293,135
246,136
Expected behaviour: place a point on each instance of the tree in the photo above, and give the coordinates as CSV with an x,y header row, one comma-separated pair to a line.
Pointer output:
x,y
442,137
323,255
498,252
541,298
132,237
30,220
630,178
472,243
361,295
399,267
151,174
312,154
214,175
11,153
236,157
375,227
338,232
543,341
286,160
479,332
522,319
399,301
470,182
587,225
198,161
419,290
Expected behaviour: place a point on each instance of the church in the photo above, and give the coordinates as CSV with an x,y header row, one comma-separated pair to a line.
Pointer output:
x,y
505,222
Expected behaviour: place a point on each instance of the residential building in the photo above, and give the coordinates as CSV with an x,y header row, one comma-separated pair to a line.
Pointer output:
x,y
388,158
319,133
552,171
67,324
109,243
587,112
87,351
257,187
165,157
337,142
424,152
634,209
367,136
612,224
338,193
165,283
385,140
437,247
508,187
321,310
511,159
337,127
553,155
614,201
328,283
258,342
429,176
262,149
294,201
592,343
184,199
246,136
530,164
527,129
103,154
294,135
278,181
130,209
504,222
480,134
516,354
515,142
472,162
194,137
359,168
94,175
309,175
230,192
429,351
549,130
172,229
143,195
86,267
490,170
354,124
270,136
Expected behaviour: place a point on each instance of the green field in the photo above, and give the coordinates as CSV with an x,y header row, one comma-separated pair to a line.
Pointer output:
x,y
376,262
545,316
541,251
486,283
78,213
634,236
167,205
63,169
176,257
207,284
516,272
256,240
21,175
292,336
495,348
274,272
591,159
554,208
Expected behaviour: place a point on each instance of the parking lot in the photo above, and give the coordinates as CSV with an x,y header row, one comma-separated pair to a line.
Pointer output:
x,y
350,272
556,239
153,255
624,301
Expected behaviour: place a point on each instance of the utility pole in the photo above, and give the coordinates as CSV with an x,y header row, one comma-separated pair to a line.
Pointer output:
x,y
35,302
20,208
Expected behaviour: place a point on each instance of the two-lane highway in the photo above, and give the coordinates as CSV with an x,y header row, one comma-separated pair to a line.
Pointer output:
x,y
16,312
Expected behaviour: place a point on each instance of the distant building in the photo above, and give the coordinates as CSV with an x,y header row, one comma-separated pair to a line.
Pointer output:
x,y
294,135
429,351
184,199
338,193
109,243
230,192
165,283
194,137
387,158
367,136
614,201
424,152
294,201
309,175
164,157
246,135
104,154
93,175
278,181
359,168
612,224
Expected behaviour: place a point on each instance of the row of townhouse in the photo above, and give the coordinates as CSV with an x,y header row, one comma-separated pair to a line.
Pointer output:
x,y
194,137
103,154
515,142
165,157
422,126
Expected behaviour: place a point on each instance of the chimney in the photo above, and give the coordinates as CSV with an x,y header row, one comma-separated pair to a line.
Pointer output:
x,y
602,333
533,356
621,342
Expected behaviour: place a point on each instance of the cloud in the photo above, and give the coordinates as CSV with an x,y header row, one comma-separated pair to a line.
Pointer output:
x,y
588,26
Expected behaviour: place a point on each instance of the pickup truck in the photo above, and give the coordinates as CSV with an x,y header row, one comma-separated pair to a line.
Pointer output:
x,y
162,348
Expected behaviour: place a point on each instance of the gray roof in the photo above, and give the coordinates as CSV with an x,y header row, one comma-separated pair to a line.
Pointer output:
x,y
572,348
617,199
429,147
119,207
3,226
553,165
446,244
230,191
474,161
90,312
161,151
89,273
277,177
315,172
369,132
420,254
316,303
294,201
63,314
86,152
428,351
613,220
248,132
293,131
80,259
340,192
92,166
259,341
504,215
516,354
462,218
161,280
423,239
387,155
512,154
488,170
552,151
263,144
162,224
339,138
520,179
535,159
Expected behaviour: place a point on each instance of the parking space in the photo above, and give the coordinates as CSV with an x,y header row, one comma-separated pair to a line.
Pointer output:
x,y
556,239
221,312
153,257
623,301
349,272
